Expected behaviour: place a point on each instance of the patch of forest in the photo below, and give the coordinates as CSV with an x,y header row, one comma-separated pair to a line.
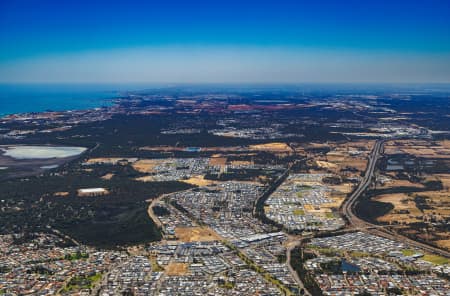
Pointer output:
x,y
118,218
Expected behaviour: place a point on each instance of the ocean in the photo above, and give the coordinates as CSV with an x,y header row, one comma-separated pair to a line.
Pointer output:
x,y
37,98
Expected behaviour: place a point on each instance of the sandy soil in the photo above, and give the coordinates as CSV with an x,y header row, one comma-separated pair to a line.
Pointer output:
x,y
145,165
145,179
444,243
445,179
176,269
61,194
218,161
199,181
240,162
326,165
107,176
196,234
272,147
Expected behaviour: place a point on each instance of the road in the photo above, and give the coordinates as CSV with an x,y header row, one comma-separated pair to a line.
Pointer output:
x,y
271,189
357,223
293,242
349,203
291,245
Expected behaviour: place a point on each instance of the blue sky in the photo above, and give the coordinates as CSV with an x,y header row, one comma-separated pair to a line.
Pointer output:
x,y
224,41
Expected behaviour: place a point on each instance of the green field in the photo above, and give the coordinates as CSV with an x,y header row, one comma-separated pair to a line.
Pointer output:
x,y
435,259
329,215
408,252
299,212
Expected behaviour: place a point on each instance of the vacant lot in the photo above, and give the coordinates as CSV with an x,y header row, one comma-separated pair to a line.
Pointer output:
x,y
198,181
272,147
219,161
326,165
176,269
109,160
196,234
146,165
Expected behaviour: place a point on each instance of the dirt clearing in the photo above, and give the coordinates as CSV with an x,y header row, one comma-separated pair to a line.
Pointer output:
x,y
176,269
196,234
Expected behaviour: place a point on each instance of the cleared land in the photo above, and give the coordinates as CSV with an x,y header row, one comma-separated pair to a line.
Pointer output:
x,y
146,165
109,160
272,147
326,164
107,176
419,148
176,269
199,181
404,211
220,161
196,234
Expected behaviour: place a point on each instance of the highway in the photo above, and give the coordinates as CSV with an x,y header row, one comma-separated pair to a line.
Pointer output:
x,y
357,223
349,203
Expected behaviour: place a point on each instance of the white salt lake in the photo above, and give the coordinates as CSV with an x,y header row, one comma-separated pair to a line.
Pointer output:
x,y
41,152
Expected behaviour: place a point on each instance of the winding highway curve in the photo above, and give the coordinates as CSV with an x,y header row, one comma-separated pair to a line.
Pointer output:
x,y
355,222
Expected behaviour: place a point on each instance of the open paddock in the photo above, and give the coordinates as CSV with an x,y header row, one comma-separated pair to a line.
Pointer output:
x,y
196,234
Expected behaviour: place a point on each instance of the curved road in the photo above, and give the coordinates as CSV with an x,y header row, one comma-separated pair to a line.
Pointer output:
x,y
293,272
356,222
348,205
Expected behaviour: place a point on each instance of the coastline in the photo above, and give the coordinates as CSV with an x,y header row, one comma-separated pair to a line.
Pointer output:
x,y
24,99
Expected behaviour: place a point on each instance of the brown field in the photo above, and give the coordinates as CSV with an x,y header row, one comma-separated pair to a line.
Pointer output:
x,y
343,188
445,179
362,144
401,202
61,194
272,147
145,165
341,161
317,145
437,197
176,269
308,208
240,162
107,176
445,144
445,243
439,149
357,163
145,179
196,234
199,181
350,154
335,156
107,160
326,165
218,161
401,183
